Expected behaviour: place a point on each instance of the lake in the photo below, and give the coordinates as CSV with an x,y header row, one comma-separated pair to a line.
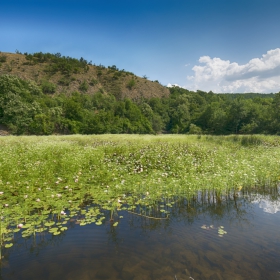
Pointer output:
x,y
230,236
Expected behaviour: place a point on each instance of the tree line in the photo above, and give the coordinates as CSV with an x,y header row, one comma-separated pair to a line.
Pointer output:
x,y
28,108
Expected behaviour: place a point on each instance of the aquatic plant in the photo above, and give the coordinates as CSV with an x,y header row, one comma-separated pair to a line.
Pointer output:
x,y
46,181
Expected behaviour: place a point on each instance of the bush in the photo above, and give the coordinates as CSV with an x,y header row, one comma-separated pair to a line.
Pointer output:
x,y
48,87
194,129
93,82
3,58
83,86
131,84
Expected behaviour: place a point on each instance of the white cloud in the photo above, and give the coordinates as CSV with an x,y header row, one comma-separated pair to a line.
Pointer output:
x,y
258,75
173,85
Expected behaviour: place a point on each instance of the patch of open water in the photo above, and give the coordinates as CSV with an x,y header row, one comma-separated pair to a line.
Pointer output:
x,y
235,237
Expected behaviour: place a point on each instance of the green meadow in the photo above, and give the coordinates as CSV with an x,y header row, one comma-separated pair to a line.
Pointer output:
x,y
48,181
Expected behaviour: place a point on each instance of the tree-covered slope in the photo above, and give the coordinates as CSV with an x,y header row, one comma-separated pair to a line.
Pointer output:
x,y
46,94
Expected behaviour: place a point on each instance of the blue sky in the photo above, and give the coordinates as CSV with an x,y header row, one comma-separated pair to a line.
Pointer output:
x,y
218,45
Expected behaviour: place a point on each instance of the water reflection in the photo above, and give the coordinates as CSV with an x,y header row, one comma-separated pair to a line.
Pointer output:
x,y
268,202
147,245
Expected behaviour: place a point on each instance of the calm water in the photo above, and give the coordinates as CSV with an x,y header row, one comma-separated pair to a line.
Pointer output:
x,y
185,246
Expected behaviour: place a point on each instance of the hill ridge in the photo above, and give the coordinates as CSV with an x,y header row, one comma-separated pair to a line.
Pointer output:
x,y
59,74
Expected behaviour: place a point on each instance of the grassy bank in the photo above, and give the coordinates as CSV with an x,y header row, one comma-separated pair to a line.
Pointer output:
x,y
46,180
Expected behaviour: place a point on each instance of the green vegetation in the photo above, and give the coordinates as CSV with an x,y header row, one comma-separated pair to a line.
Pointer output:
x,y
57,63
48,87
3,58
30,108
83,86
131,84
45,181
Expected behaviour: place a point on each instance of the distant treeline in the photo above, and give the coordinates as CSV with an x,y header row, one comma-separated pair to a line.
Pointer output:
x,y
27,108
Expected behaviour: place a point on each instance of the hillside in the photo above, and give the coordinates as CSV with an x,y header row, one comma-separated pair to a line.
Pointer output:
x,y
46,94
58,74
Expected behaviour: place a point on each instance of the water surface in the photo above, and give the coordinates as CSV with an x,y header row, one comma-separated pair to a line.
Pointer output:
x,y
187,245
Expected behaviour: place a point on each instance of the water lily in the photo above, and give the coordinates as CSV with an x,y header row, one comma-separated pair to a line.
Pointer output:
x,y
25,196
6,205
19,225
1,193
38,200
62,213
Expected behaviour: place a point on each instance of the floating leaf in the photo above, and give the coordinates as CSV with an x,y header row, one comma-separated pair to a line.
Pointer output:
x,y
56,233
115,224
26,234
26,226
53,230
98,223
9,245
48,224
8,239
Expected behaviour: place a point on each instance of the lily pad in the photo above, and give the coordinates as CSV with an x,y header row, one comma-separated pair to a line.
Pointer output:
x,y
26,226
53,230
48,224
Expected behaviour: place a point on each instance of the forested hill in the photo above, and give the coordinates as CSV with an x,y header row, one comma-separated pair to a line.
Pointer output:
x,y
45,94
59,74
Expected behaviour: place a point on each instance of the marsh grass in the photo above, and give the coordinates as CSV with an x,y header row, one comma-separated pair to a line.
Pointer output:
x,y
45,181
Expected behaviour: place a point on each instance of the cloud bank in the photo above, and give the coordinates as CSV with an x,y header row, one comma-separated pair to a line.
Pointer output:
x,y
260,75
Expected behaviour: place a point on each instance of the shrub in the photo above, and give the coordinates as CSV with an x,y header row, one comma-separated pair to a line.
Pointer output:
x,y
48,87
194,129
83,86
93,82
131,84
3,58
